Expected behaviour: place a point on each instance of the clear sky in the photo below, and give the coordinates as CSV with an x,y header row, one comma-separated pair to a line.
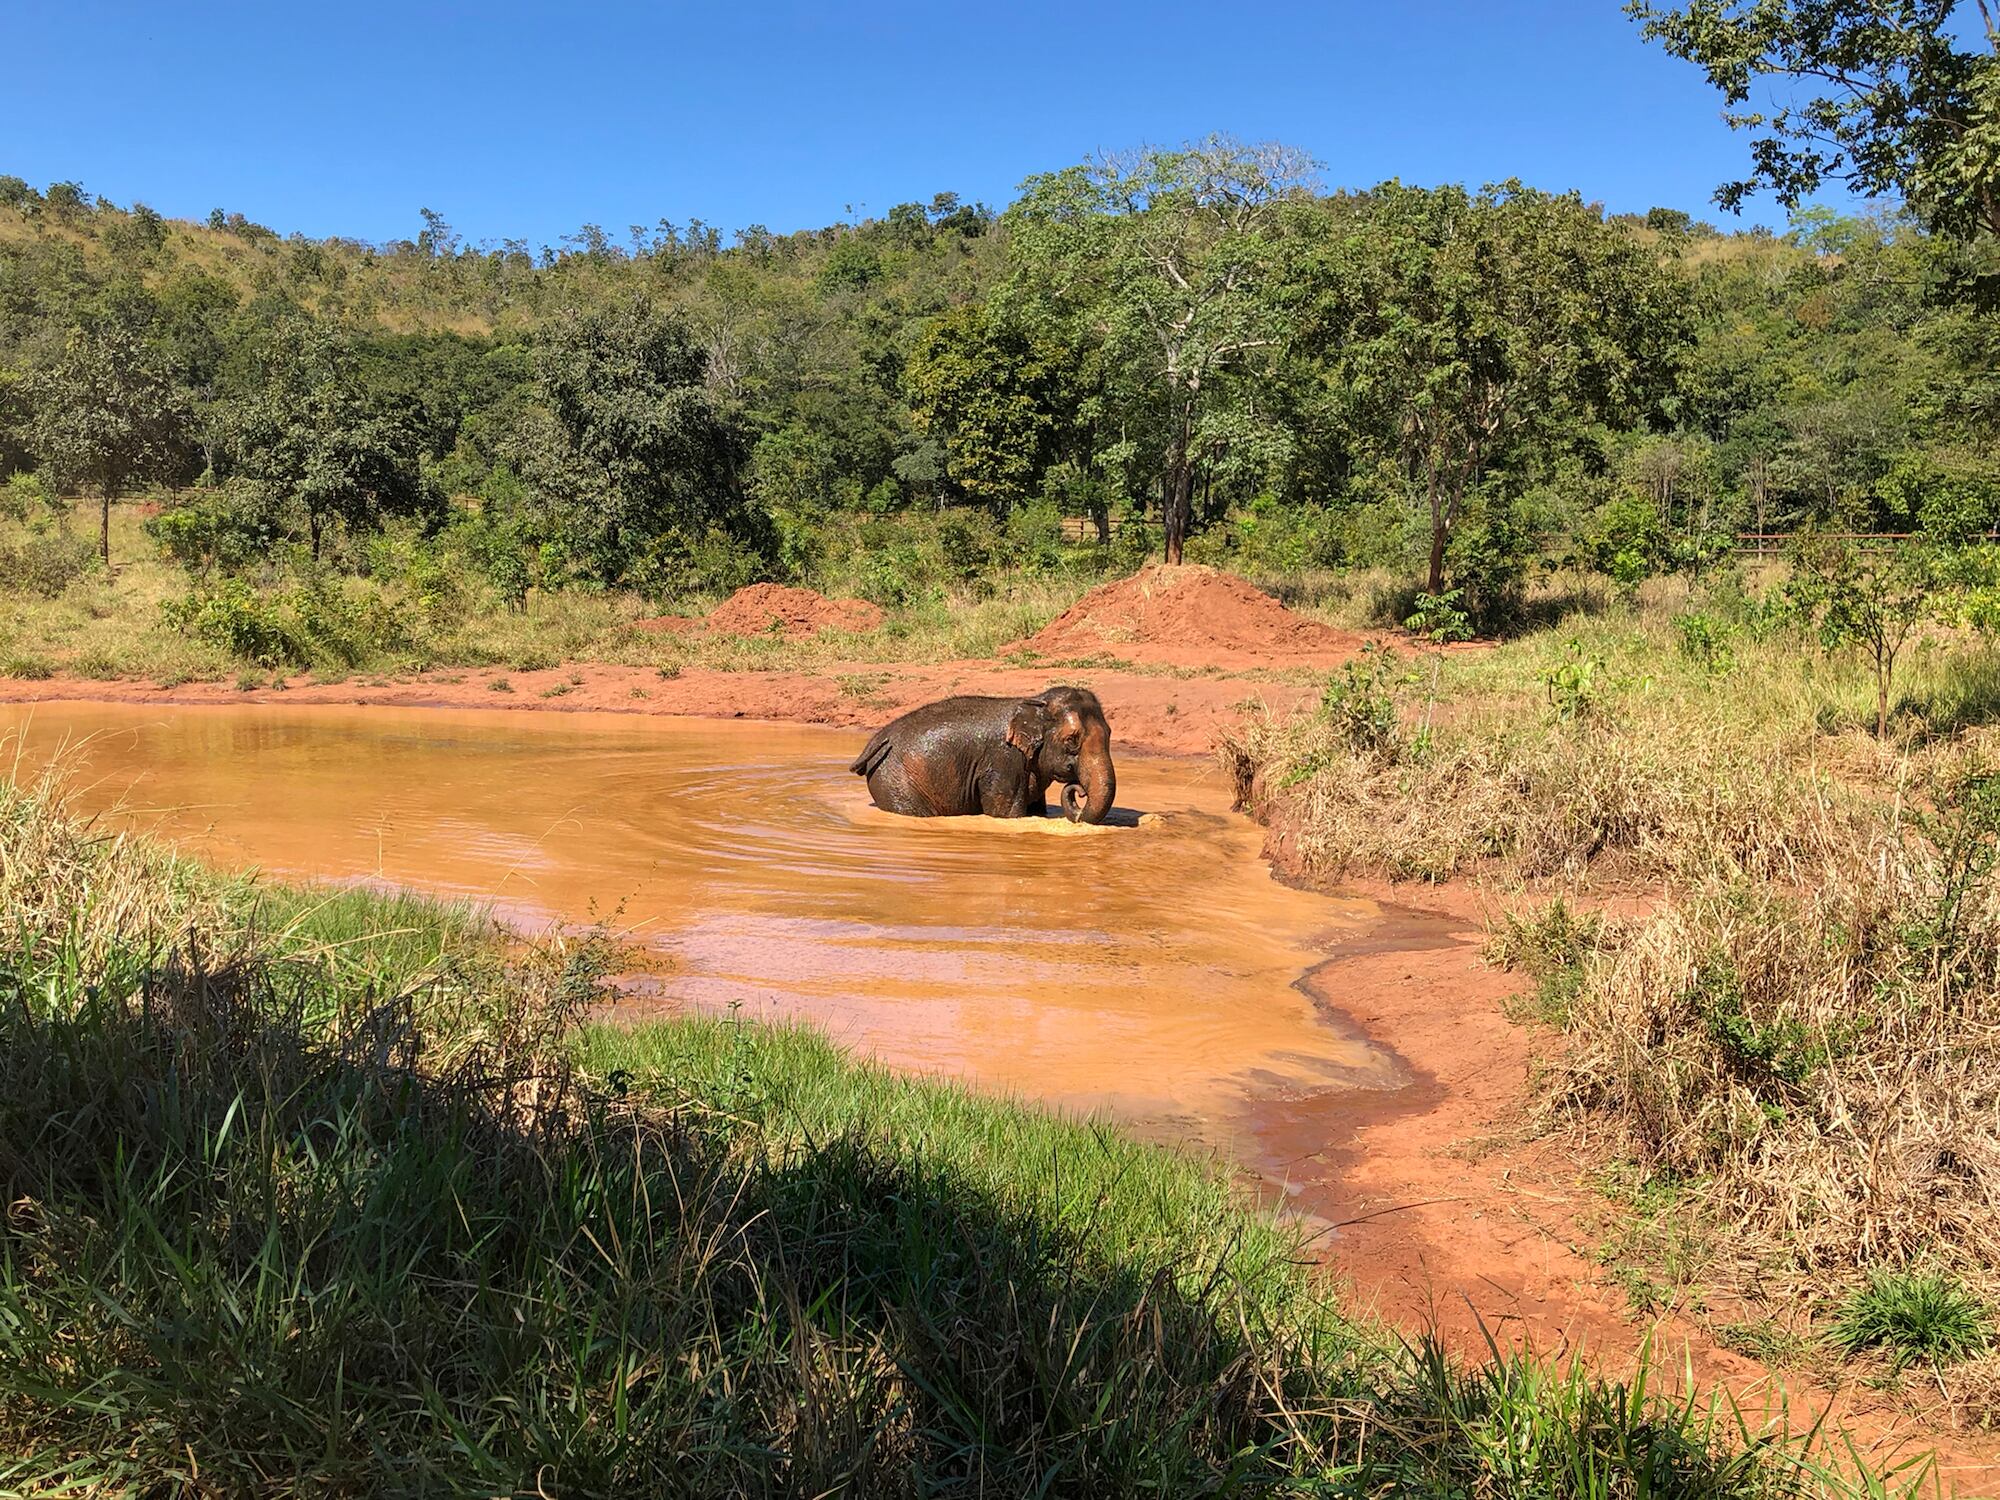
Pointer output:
x,y
529,120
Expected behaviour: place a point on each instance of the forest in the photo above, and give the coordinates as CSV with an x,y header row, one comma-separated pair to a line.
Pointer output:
x,y
1200,352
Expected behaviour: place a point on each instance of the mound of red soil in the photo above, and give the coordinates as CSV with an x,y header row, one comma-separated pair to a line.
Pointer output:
x,y
1188,610
761,606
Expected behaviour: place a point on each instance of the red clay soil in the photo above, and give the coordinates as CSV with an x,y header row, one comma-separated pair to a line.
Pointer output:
x,y
1445,1208
1148,712
1188,614
763,607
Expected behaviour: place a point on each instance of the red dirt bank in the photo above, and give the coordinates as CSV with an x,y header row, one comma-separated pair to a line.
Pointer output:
x,y
1152,713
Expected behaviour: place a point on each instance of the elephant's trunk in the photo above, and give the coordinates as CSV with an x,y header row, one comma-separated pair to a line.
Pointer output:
x,y
1088,798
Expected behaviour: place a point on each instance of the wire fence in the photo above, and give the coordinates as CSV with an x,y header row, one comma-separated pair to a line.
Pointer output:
x,y
1746,543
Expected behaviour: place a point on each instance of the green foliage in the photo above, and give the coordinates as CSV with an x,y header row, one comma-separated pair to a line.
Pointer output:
x,y
1167,265
1553,945
1280,380
228,527
630,447
235,617
1705,639
1360,701
1953,498
1777,1052
1914,1315
1873,600
26,497
46,562
983,391
104,413
1625,540
313,618
1456,331
1904,106
1438,618
321,449
1576,684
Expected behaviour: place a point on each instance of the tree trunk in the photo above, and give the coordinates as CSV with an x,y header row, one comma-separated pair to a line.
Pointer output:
x,y
1179,487
1885,669
312,527
104,528
1440,534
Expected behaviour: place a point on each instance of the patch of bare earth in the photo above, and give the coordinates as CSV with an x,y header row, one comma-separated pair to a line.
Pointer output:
x,y
763,608
1188,615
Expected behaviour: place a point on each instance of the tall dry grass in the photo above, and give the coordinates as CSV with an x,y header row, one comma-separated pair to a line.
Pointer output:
x,y
1773,952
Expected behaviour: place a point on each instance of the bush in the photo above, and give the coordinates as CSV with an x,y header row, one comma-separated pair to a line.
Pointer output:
x,y
1271,537
241,620
47,562
225,528
676,564
316,621
1034,537
25,497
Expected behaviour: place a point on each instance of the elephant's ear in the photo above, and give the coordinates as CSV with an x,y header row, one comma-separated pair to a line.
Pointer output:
x,y
1029,724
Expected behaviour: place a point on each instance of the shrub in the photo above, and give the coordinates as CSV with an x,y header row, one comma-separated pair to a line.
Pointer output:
x,y
225,528
47,562
1034,536
25,497
241,620
1706,640
1359,703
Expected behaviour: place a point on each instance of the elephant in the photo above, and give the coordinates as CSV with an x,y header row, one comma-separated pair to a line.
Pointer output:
x,y
996,756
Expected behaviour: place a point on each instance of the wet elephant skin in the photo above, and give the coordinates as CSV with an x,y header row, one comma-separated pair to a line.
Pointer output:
x,y
997,756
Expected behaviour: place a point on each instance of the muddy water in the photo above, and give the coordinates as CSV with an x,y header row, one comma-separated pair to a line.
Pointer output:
x,y
1146,967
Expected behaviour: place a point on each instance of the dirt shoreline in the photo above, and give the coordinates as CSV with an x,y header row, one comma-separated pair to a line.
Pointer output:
x,y
1449,1210
1156,712
1444,1209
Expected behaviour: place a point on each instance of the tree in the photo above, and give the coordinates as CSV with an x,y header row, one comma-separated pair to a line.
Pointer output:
x,y
315,445
1173,261
1457,332
630,448
105,415
987,394
1894,103
1876,601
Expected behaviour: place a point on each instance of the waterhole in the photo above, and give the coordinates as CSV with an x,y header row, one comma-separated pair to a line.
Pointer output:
x,y
1148,968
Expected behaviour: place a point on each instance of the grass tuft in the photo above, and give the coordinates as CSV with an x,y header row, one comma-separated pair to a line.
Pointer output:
x,y
1914,1315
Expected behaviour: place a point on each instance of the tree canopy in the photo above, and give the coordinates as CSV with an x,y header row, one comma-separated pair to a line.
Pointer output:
x,y
1895,103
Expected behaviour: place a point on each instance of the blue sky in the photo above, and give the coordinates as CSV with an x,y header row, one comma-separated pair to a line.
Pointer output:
x,y
530,119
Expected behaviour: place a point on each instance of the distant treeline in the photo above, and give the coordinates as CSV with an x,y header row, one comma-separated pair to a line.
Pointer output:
x,y
1202,344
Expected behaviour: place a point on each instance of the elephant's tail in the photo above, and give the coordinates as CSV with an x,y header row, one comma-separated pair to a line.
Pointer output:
x,y
876,751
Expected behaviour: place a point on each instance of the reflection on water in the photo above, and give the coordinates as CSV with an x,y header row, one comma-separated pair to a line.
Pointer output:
x,y
1146,966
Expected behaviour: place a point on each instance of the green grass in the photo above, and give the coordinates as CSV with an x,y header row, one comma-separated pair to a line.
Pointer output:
x,y
116,625
318,1191
1913,1315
